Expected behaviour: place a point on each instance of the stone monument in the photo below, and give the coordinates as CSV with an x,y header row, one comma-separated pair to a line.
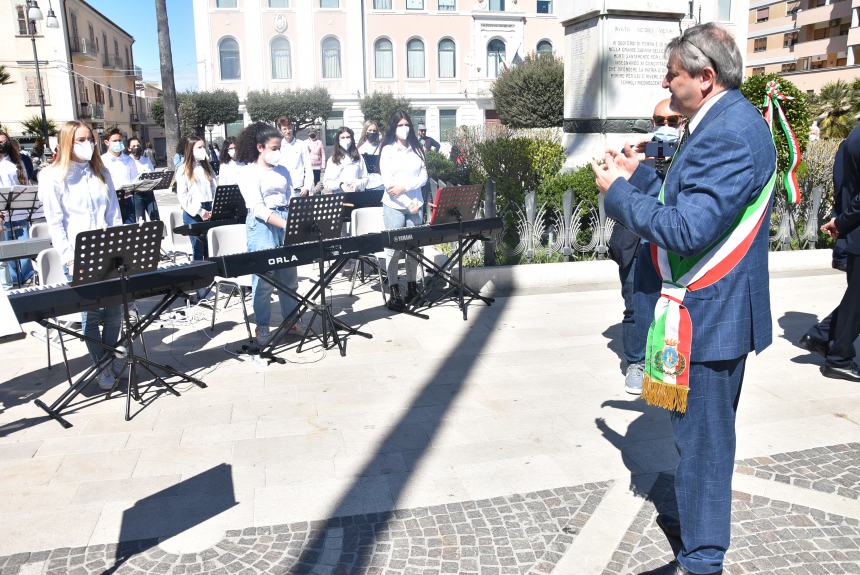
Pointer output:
x,y
614,68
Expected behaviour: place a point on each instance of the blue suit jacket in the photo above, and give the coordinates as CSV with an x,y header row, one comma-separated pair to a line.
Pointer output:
x,y
721,167
846,183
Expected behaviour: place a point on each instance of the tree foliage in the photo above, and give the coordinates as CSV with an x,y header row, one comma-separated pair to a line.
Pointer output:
x,y
835,108
189,118
305,107
33,126
156,111
5,76
796,111
379,106
197,109
531,94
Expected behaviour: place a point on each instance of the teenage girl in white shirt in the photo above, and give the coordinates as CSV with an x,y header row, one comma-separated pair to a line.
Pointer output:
x,y
195,189
345,170
12,173
228,174
78,195
401,164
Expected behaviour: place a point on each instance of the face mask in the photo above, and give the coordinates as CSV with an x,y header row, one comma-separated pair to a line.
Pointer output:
x,y
402,132
666,134
117,147
313,136
272,157
373,137
345,143
84,151
199,154
135,151
4,148
231,152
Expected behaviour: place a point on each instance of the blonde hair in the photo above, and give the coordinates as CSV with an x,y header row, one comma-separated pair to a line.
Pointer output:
x,y
188,161
66,151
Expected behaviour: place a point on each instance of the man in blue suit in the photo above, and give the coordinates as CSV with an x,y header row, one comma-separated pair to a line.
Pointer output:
x,y
723,171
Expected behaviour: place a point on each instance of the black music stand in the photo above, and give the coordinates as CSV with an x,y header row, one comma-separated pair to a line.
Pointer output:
x,y
162,178
313,219
228,204
363,199
18,199
119,252
453,204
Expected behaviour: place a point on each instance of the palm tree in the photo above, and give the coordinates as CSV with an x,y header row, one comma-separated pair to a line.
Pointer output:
x,y
34,126
168,86
5,76
835,107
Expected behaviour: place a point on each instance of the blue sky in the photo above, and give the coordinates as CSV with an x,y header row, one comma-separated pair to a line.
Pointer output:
x,y
138,19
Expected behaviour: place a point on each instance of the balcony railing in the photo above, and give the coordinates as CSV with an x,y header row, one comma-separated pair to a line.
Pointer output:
x,y
91,111
84,47
138,73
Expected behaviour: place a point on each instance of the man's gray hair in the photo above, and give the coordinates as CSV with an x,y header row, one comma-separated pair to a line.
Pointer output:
x,y
708,45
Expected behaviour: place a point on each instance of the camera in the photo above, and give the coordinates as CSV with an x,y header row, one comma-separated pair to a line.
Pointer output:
x,y
660,150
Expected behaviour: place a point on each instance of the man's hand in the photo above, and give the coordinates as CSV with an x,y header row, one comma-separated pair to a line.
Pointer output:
x,y
395,191
830,228
614,166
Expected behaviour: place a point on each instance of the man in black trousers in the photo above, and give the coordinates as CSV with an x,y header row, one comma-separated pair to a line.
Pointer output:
x,y
839,351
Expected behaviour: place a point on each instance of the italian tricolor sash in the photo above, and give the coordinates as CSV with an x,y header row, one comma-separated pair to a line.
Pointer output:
x,y
670,337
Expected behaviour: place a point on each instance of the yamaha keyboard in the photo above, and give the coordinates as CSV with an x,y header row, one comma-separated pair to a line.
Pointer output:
x,y
27,248
43,302
427,235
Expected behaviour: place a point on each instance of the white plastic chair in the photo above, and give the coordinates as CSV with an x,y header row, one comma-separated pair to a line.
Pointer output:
x,y
40,230
178,245
368,221
224,240
49,268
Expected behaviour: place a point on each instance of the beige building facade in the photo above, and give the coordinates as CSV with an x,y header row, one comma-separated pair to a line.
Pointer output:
x,y
86,65
441,54
810,42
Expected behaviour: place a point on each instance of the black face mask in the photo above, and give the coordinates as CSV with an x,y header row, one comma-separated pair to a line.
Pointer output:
x,y
5,147
373,137
135,152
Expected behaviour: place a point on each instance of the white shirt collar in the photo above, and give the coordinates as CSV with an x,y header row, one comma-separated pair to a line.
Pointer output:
x,y
700,114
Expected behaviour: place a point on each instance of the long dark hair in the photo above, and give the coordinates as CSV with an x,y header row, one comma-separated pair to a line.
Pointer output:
x,y
258,133
15,158
225,157
188,160
411,139
338,153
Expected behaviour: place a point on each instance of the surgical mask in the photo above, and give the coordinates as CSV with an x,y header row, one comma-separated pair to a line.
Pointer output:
x,y
117,147
84,151
135,151
666,134
402,132
4,148
272,157
373,137
231,152
199,154
345,143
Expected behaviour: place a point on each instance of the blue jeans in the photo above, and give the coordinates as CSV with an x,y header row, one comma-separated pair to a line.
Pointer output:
x,y
126,208
633,336
705,439
15,272
108,318
144,205
393,220
263,236
198,243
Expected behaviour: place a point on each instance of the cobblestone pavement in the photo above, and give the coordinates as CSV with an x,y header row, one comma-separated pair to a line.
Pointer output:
x,y
525,533
833,469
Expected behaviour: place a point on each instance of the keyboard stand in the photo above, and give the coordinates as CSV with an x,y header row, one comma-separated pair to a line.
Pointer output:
x,y
99,255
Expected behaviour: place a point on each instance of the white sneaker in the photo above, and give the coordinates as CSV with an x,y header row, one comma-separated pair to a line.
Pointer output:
x,y
633,378
261,334
106,380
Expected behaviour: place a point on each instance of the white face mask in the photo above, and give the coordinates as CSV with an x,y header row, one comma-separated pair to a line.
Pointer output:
x,y
666,134
345,143
199,154
117,147
402,132
84,151
272,157
231,152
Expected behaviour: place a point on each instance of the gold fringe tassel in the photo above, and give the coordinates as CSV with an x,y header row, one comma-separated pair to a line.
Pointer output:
x,y
665,395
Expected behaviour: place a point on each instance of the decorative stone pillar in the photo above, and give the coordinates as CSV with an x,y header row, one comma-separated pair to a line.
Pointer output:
x,y
614,68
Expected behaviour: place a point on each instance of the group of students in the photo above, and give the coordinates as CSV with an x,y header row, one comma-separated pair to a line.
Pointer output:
x,y
16,169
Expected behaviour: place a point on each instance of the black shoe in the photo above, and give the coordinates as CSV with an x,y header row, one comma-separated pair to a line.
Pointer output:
x,y
813,345
411,291
850,372
395,302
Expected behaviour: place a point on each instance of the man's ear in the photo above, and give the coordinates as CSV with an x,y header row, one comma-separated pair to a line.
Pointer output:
x,y
708,78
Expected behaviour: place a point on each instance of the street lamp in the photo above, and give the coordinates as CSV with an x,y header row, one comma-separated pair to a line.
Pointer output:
x,y
209,128
34,14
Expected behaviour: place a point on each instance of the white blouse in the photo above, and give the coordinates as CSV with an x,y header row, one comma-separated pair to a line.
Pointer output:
x,y
228,174
402,166
192,194
265,189
143,165
77,203
348,171
8,173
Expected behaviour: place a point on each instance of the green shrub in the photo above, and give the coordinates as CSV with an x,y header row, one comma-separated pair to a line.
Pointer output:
x,y
580,180
508,162
441,168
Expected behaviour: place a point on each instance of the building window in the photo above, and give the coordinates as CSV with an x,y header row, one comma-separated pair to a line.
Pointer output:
x,y
31,90
724,10
844,28
762,14
281,68
758,71
23,29
792,67
497,5
127,60
331,58
329,3
415,58
279,3
544,6
544,47
419,117
225,3
382,4
415,4
446,5
106,57
495,58
110,96
792,7
817,64
333,123
789,40
447,125
228,53
760,45
383,52
73,22
447,58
